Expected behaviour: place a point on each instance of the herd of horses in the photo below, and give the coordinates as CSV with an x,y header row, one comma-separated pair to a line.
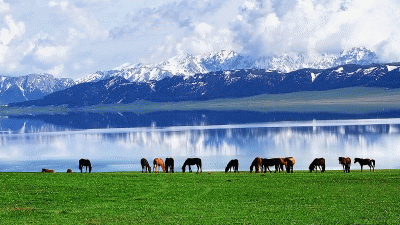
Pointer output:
x,y
259,164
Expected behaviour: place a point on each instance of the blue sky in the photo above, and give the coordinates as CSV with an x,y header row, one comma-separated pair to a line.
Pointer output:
x,y
72,38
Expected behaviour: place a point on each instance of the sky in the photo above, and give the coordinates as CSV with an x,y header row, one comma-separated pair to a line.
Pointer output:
x,y
72,38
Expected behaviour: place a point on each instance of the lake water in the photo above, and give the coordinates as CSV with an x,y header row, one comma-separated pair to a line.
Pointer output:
x,y
117,142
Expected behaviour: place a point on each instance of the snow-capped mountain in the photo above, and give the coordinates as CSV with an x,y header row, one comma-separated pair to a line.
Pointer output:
x,y
223,84
189,65
30,87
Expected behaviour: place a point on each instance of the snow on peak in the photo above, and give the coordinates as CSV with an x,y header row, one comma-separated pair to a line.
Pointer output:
x,y
188,65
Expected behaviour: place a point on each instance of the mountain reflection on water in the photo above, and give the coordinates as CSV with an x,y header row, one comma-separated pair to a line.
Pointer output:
x,y
31,143
79,121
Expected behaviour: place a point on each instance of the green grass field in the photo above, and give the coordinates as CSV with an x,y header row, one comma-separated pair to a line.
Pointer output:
x,y
355,100
207,198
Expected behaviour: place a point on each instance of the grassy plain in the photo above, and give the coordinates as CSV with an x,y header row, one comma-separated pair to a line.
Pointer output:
x,y
355,100
207,198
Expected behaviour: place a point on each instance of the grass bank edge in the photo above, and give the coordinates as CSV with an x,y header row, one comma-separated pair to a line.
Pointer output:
x,y
356,100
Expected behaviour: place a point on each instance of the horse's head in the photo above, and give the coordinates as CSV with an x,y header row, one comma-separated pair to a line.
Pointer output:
x,y
44,170
340,159
90,169
356,160
311,168
251,168
226,169
183,169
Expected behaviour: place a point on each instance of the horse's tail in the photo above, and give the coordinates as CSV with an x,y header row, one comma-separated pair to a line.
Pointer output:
x,y
201,167
373,162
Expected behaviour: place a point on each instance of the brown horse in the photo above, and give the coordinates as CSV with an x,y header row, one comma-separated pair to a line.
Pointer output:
x,y
279,162
192,161
266,163
346,162
289,164
69,171
233,163
257,164
368,162
169,164
145,165
318,162
47,171
157,163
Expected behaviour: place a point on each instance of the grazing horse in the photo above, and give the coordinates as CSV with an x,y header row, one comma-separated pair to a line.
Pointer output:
x,y
192,161
145,165
257,164
233,163
169,163
86,163
69,171
289,164
279,162
47,171
157,163
368,162
318,162
346,162
266,163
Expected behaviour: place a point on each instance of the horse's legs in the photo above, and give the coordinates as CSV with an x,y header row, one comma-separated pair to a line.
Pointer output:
x,y
361,167
190,169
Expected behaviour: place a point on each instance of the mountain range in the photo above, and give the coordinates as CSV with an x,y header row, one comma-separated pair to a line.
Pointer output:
x,y
184,77
222,84
189,65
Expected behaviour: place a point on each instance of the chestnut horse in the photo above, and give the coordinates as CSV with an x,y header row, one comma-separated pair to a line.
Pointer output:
x,y
86,163
157,163
257,164
288,162
368,162
145,165
192,161
318,162
266,163
169,163
233,163
47,171
346,162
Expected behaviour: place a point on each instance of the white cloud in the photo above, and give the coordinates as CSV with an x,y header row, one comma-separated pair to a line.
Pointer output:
x,y
81,18
57,71
266,28
51,53
4,7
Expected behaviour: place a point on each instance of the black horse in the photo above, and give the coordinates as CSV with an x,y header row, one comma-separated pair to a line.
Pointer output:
x,y
192,161
169,164
233,163
317,162
85,162
266,163
145,165
368,162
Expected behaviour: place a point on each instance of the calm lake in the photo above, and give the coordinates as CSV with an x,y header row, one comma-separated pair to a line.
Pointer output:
x,y
117,142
